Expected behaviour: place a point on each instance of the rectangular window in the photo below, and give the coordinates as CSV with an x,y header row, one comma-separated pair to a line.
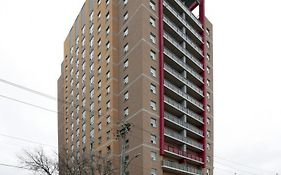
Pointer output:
x,y
153,139
108,90
108,75
153,105
99,112
153,155
126,64
152,38
108,105
107,16
153,88
153,122
92,29
92,16
126,48
108,120
153,71
125,32
99,126
108,60
108,45
126,80
99,15
152,21
99,28
152,5
125,2
126,112
107,31
126,16
126,96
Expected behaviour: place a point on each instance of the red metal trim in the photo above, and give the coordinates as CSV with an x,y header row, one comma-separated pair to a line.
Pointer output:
x,y
202,19
193,6
161,76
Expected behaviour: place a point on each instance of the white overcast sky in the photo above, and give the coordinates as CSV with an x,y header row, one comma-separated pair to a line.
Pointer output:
x,y
246,79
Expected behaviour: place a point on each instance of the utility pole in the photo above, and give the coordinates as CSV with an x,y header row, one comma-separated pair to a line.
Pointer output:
x,y
121,135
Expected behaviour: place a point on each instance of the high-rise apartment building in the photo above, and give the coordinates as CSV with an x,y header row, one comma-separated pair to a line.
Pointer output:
x,y
143,62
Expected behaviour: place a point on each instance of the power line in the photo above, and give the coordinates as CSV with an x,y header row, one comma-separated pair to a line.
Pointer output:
x,y
26,103
26,140
13,166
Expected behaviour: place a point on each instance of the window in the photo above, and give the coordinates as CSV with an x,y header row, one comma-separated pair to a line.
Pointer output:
x,y
153,155
153,71
99,140
153,139
208,57
83,41
99,1
125,32
125,2
208,159
99,70
126,80
107,16
108,60
71,50
152,5
107,31
208,121
107,2
108,75
99,28
126,112
208,172
92,55
92,29
152,21
208,82
208,95
208,146
153,88
153,122
92,42
99,56
126,16
99,84
107,45
99,98
208,133
99,126
99,42
77,52
152,55
92,16
153,105
108,120
208,44
126,96
108,90
107,135
152,38
99,112
126,48
84,102
208,31
126,64
99,15
108,105
208,108
77,40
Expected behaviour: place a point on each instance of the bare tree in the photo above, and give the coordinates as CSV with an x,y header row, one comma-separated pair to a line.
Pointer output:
x,y
68,164
38,162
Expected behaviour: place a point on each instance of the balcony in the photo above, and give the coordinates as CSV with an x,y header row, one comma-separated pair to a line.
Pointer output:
x,y
192,19
180,168
183,51
177,60
184,110
176,152
183,80
175,136
178,31
175,120
179,17
178,91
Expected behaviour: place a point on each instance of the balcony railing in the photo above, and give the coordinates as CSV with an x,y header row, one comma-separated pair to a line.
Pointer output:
x,y
176,14
183,168
183,139
184,95
184,80
187,12
183,124
184,51
182,153
183,64
183,109
184,36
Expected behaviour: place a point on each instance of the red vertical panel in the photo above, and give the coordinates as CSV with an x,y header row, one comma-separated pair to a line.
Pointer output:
x,y
161,76
202,19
